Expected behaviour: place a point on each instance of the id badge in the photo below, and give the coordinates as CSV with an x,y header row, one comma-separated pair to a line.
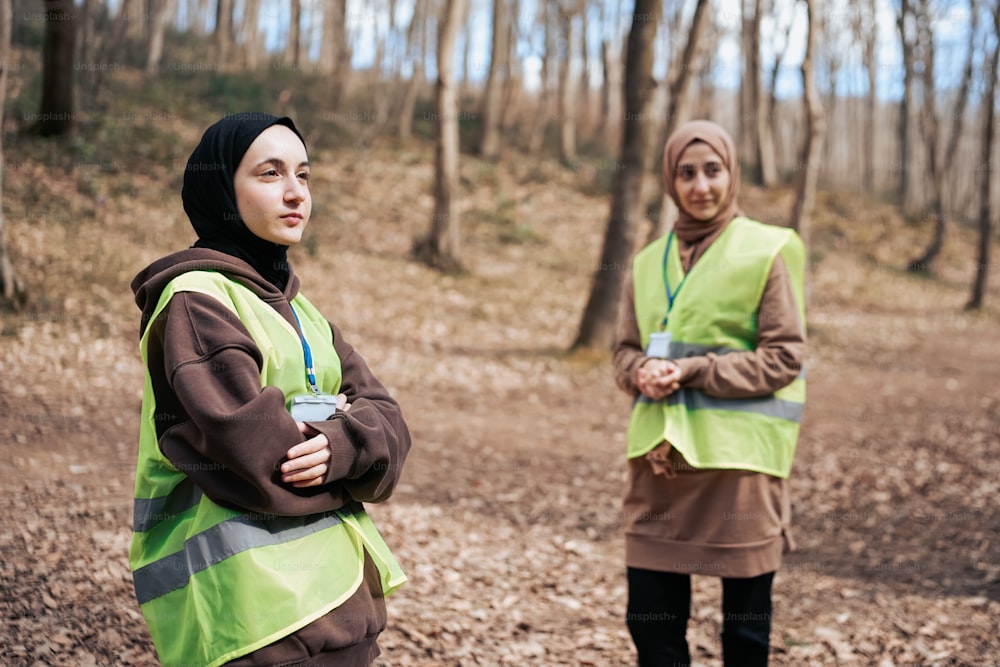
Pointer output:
x,y
313,407
659,345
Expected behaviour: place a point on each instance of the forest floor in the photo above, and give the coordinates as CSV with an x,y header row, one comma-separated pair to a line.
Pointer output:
x,y
508,517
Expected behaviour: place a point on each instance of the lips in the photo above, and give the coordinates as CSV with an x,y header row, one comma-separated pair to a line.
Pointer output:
x,y
292,218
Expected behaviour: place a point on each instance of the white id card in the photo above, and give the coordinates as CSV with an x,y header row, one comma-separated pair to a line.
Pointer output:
x,y
659,345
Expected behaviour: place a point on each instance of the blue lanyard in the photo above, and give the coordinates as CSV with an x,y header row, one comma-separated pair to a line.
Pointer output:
x,y
306,352
671,295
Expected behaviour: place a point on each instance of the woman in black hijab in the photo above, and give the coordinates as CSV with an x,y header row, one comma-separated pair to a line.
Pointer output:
x,y
262,431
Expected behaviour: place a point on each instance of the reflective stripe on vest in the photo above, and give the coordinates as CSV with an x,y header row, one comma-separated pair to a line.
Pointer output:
x,y
716,313
215,583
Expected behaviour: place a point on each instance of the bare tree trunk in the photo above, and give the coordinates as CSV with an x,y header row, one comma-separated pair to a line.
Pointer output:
x,y
161,10
253,42
55,117
567,84
489,141
746,142
772,96
986,170
597,327
870,42
11,290
903,21
939,175
677,107
805,195
442,247
931,132
611,96
328,43
416,46
540,122
85,46
584,117
223,31
293,47
513,88
764,169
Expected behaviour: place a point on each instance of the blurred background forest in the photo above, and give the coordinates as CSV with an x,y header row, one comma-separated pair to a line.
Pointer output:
x,y
483,171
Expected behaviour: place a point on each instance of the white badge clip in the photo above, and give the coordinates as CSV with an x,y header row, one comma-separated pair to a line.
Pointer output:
x,y
659,345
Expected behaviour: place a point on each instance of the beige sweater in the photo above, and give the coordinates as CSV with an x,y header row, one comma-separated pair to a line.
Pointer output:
x,y
728,523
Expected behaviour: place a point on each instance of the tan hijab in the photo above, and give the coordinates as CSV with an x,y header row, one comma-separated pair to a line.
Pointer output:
x,y
687,228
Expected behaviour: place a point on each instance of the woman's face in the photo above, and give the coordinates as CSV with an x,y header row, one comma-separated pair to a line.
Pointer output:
x,y
701,181
272,186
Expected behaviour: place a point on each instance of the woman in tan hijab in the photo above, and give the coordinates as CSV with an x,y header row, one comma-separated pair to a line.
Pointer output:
x,y
710,345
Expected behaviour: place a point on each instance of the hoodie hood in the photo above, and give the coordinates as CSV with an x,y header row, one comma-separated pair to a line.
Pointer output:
x,y
149,283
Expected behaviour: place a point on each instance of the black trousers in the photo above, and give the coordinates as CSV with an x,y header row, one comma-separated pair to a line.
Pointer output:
x,y
659,606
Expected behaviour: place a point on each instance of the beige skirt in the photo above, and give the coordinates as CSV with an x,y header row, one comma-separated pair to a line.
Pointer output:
x,y
726,523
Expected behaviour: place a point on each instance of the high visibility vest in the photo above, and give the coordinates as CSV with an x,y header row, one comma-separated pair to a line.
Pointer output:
x,y
216,583
716,311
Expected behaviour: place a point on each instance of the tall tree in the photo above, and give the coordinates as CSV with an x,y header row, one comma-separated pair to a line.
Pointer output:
x,y
332,45
540,121
597,327
939,172
866,31
56,114
764,170
416,40
677,106
293,47
492,109
569,33
223,31
160,13
987,169
11,289
906,22
442,247
805,191
253,40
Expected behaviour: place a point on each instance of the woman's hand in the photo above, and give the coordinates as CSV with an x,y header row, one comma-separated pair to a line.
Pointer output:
x,y
308,461
658,378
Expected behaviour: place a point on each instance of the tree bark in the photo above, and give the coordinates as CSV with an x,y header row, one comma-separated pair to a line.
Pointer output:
x,y
416,47
540,122
223,32
160,13
987,178
492,109
442,247
611,96
597,327
903,21
293,48
930,127
677,108
805,195
56,115
939,173
11,290
765,173
253,42
567,84
870,43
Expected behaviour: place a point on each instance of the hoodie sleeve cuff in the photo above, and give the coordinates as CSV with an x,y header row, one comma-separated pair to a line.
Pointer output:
x,y
343,455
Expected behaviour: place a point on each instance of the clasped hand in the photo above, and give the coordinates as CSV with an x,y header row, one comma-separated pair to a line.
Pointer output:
x,y
309,461
658,378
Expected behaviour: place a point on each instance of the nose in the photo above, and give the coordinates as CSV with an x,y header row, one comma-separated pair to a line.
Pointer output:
x,y
296,190
700,182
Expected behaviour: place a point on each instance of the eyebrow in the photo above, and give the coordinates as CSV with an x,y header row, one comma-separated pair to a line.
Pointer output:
x,y
278,162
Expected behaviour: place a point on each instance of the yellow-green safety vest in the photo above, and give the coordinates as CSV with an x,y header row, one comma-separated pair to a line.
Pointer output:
x,y
215,583
716,310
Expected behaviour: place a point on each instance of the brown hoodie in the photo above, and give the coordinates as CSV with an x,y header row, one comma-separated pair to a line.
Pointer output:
x,y
211,408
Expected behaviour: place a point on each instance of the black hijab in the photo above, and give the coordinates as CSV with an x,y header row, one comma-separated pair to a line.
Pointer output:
x,y
210,198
